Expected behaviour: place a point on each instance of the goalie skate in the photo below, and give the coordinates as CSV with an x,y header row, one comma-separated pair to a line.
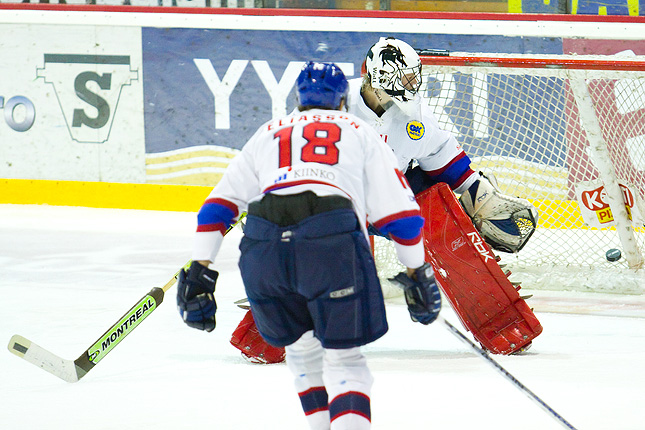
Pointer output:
x,y
488,305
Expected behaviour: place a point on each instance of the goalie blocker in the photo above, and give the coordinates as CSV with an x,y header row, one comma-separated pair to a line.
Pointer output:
x,y
466,269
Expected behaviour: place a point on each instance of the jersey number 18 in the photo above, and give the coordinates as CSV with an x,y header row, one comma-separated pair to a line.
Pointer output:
x,y
321,140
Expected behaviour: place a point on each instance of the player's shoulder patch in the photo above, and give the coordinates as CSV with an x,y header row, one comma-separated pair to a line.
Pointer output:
x,y
415,129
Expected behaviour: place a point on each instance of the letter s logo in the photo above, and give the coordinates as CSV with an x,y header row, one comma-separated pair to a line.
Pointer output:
x,y
80,86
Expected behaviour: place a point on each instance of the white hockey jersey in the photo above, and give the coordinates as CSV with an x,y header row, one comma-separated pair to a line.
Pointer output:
x,y
418,137
327,152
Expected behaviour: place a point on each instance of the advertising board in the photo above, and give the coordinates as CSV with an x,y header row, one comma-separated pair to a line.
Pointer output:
x,y
71,102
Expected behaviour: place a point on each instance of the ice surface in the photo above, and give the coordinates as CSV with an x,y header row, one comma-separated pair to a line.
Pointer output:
x,y
67,274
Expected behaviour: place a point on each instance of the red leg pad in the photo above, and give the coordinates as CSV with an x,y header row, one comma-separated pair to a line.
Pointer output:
x,y
247,339
466,269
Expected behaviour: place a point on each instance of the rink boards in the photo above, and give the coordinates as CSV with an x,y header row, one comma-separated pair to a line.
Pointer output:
x,y
169,98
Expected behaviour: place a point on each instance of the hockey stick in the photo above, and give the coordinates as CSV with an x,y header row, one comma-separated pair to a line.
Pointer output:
x,y
74,370
507,375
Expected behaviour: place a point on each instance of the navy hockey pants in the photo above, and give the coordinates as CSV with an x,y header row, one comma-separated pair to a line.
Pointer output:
x,y
315,275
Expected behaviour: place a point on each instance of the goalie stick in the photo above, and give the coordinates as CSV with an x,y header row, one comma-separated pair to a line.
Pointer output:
x,y
74,370
482,353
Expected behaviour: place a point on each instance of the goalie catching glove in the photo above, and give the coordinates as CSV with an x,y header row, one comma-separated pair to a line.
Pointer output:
x,y
195,299
421,294
505,222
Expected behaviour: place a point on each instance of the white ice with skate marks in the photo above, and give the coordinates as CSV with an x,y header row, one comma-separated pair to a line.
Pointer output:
x,y
69,273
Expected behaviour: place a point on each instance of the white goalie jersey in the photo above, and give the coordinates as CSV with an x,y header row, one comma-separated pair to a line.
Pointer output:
x,y
411,137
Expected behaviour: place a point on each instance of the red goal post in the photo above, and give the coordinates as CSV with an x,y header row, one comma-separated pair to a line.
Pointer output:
x,y
570,62
568,133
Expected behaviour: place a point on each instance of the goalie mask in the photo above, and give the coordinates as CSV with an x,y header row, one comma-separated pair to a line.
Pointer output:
x,y
394,67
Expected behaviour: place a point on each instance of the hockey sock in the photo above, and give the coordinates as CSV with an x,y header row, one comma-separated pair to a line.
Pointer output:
x,y
305,361
349,382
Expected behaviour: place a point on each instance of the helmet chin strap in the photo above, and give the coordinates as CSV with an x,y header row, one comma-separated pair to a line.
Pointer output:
x,y
376,99
383,98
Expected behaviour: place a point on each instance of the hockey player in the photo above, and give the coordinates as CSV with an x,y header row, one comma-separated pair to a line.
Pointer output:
x,y
310,182
387,97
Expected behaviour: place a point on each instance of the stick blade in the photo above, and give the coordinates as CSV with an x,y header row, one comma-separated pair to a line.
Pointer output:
x,y
40,357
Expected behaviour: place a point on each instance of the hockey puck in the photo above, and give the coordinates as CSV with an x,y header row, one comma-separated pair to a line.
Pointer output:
x,y
613,254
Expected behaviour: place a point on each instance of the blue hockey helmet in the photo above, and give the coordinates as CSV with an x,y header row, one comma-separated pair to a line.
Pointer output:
x,y
321,85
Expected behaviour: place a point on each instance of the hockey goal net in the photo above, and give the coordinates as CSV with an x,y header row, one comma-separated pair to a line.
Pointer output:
x,y
567,133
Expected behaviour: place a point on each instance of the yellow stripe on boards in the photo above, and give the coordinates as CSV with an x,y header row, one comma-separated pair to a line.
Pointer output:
x,y
189,198
181,198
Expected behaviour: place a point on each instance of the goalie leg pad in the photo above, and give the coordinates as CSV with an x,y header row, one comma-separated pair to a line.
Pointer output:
x,y
248,340
466,269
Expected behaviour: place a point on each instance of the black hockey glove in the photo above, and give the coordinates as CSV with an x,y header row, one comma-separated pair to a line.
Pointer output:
x,y
421,294
195,299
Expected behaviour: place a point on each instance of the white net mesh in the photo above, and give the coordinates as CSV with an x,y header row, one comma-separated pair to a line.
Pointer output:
x,y
523,124
387,266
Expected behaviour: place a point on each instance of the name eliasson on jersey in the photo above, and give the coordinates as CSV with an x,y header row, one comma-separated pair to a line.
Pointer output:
x,y
294,119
